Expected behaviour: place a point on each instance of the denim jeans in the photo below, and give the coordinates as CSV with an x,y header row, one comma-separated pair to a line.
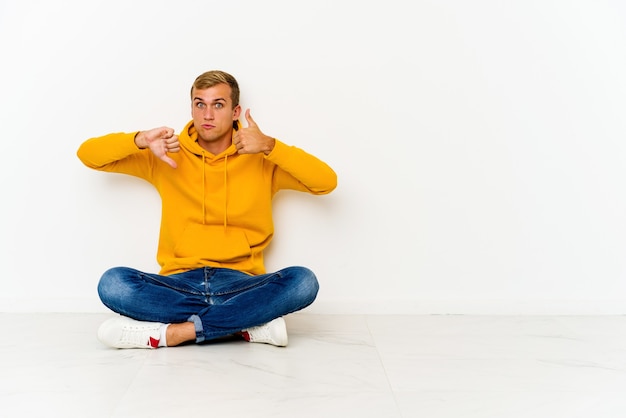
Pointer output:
x,y
218,301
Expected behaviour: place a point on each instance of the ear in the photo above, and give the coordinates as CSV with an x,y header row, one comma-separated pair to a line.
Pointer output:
x,y
236,112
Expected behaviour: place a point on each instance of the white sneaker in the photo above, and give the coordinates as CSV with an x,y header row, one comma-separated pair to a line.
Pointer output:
x,y
274,332
124,332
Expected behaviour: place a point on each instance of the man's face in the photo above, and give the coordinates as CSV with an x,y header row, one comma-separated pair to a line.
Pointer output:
x,y
213,114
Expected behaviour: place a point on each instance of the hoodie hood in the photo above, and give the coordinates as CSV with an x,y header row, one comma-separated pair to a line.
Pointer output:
x,y
188,139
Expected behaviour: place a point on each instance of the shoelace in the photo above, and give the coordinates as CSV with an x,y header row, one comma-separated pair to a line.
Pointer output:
x,y
260,333
137,335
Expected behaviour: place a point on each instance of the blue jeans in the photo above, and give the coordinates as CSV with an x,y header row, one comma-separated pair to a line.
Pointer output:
x,y
218,301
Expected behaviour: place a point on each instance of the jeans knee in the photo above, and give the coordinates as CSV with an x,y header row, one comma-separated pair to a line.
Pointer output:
x,y
112,285
308,285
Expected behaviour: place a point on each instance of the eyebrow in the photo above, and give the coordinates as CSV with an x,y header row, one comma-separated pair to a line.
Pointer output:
x,y
219,99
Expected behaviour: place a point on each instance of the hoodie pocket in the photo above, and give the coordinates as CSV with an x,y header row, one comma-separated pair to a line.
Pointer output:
x,y
214,243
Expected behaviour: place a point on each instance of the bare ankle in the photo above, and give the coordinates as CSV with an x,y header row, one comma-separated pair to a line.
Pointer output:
x,y
177,334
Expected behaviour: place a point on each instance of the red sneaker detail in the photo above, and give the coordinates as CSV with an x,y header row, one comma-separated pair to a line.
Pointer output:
x,y
153,343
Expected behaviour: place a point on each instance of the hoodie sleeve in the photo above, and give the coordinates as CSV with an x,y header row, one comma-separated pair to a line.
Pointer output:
x,y
299,170
117,153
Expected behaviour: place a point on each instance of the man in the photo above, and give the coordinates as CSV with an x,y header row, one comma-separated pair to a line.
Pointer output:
x,y
216,180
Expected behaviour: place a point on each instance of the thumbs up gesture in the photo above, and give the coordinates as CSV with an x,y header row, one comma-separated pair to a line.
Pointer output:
x,y
251,140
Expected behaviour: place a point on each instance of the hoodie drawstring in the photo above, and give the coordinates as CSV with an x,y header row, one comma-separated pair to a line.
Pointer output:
x,y
225,191
193,138
204,190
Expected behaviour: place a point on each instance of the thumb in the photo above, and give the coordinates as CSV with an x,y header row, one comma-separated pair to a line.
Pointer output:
x,y
169,161
251,122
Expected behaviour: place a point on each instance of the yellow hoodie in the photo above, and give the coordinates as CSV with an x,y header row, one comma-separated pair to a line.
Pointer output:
x,y
216,209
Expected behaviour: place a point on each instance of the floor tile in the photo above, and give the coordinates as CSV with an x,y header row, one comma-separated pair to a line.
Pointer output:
x,y
335,365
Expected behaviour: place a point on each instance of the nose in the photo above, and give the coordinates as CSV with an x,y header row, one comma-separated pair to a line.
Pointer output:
x,y
208,113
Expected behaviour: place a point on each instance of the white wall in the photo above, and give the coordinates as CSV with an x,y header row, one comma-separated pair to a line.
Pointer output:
x,y
479,144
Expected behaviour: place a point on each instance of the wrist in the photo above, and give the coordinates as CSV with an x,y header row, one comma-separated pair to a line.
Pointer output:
x,y
140,140
270,146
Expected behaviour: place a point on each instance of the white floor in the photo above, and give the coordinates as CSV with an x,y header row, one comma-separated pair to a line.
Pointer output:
x,y
52,365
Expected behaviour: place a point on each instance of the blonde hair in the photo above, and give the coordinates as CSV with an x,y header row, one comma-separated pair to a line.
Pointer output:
x,y
214,77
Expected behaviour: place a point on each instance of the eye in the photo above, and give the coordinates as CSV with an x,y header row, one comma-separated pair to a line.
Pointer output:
x,y
219,105
200,105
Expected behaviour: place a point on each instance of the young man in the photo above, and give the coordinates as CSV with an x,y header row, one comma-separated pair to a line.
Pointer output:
x,y
216,181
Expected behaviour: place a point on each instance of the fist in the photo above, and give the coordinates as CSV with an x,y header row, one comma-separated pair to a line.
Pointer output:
x,y
251,140
160,141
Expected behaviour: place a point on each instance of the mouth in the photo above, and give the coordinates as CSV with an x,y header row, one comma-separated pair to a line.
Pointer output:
x,y
207,126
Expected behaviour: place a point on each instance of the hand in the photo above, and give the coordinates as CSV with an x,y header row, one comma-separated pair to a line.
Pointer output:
x,y
160,141
251,140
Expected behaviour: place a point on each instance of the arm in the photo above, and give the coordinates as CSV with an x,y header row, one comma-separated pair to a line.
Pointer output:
x,y
309,172
103,152
119,152
298,169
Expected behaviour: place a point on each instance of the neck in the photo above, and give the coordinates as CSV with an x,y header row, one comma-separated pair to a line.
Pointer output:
x,y
215,147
